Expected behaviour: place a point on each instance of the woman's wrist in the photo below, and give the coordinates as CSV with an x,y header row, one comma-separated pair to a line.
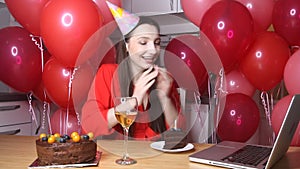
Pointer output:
x,y
163,95
139,101
111,118
164,100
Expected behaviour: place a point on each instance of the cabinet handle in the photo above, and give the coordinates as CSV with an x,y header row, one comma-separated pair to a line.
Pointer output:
x,y
13,107
10,132
171,5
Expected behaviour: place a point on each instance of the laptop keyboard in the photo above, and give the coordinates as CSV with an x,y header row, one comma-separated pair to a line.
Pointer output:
x,y
249,154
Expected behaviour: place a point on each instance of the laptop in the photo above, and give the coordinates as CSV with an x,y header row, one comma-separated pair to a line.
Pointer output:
x,y
227,153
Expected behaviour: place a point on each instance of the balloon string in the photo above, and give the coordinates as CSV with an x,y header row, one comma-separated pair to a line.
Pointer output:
x,y
69,98
31,109
40,46
218,93
201,121
60,122
48,117
279,91
46,108
67,121
272,103
221,88
272,138
266,105
69,93
211,97
197,99
44,114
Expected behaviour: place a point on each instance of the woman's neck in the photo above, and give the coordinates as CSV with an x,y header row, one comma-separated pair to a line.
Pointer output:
x,y
134,68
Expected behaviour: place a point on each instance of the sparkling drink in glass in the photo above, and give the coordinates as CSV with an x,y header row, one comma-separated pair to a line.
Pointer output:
x,y
125,112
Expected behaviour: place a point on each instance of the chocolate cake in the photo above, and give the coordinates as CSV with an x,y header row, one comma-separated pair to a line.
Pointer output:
x,y
65,152
175,139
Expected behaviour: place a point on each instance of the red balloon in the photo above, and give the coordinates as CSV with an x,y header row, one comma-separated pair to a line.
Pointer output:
x,y
20,66
184,63
62,90
83,77
39,92
236,82
195,9
240,118
265,61
98,50
229,26
291,74
27,13
65,122
110,55
286,20
278,114
109,23
261,12
105,53
56,82
66,26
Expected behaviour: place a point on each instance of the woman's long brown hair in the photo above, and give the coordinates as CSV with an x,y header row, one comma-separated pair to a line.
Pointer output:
x,y
125,76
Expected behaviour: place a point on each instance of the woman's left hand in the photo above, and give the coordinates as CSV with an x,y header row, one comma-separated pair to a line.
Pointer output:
x,y
164,82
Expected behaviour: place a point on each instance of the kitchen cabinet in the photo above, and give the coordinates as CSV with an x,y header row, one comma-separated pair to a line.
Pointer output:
x,y
152,7
15,118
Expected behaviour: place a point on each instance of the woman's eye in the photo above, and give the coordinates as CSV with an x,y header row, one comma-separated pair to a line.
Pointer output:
x,y
156,43
143,42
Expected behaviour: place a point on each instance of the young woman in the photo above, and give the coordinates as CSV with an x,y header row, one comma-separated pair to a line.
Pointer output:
x,y
135,75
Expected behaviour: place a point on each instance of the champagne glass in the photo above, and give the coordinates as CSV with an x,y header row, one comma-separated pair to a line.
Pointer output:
x,y
125,112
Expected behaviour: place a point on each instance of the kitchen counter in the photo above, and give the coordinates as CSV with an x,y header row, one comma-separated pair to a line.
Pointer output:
x,y
19,152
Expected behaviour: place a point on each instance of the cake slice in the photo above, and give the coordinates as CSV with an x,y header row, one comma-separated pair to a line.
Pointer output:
x,y
175,139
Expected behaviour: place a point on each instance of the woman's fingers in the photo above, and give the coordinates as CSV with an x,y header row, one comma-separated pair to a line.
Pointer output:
x,y
148,75
143,82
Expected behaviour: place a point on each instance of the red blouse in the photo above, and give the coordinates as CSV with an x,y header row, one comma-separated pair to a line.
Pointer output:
x,y
100,99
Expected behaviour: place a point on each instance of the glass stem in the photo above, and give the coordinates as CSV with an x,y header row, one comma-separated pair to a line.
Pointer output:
x,y
126,130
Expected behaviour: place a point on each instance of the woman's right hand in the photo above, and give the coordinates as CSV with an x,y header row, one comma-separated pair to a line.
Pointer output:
x,y
143,82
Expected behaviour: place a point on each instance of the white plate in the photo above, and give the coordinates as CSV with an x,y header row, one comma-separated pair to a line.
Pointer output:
x,y
160,144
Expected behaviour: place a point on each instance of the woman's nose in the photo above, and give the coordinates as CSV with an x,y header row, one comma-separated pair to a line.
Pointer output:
x,y
152,48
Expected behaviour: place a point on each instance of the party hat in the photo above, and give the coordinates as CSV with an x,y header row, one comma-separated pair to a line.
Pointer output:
x,y
125,20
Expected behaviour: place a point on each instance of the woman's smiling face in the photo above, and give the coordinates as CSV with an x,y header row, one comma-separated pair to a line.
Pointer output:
x,y
143,46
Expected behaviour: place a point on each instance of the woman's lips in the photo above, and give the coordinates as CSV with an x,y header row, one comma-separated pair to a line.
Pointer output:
x,y
148,59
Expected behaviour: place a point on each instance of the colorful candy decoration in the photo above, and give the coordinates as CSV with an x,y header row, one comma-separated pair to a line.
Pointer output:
x,y
74,137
